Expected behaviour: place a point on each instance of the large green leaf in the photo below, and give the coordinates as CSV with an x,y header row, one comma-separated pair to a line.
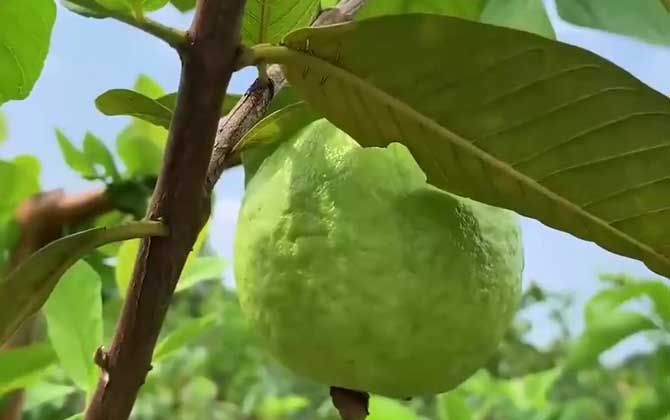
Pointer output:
x,y
22,366
74,322
644,19
183,5
25,32
466,9
24,290
501,116
270,20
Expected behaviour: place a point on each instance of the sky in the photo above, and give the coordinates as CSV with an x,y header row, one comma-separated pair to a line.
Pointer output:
x,y
89,56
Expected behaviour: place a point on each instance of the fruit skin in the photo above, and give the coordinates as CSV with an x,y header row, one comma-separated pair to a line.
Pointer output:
x,y
357,273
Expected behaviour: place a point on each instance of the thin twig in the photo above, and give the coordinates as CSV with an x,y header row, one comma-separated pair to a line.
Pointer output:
x,y
253,105
179,200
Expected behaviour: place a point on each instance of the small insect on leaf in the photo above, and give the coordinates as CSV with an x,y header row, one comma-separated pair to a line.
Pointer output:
x,y
24,290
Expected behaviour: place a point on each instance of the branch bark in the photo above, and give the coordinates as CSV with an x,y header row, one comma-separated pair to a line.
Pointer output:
x,y
41,219
180,200
253,105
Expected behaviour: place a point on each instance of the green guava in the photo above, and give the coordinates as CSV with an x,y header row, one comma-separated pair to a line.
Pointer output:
x,y
357,273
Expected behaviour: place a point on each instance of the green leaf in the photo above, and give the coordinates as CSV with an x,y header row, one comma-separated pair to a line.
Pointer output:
x,y
183,334
525,15
609,299
452,406
646,20
153,5
603,333
96,152
129,102
140,155
503,117
147,86
25,33
280,124
24,290
44,392
75,158
466,9
74,323
79,416
201,269
116,5
20,179
183,5
22,366
382,408
270,20
269,132
125,262
87,8
155,111
3,128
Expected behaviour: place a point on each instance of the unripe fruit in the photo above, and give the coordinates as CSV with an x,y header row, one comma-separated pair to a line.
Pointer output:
x,y
357,273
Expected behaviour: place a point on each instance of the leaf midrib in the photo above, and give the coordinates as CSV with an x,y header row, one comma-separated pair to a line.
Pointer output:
x,y
288,56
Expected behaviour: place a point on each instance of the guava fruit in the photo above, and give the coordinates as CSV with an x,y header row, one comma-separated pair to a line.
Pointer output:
x,y
356,273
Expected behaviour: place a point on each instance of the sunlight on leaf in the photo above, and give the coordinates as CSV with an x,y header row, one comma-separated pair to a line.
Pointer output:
x,y
22,366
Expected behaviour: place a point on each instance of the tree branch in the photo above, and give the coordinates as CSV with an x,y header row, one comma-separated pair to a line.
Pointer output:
x,y
253,105
179,200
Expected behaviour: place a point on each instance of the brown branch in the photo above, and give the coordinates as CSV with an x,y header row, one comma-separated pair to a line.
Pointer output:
x,y
180,200
253,105
41,220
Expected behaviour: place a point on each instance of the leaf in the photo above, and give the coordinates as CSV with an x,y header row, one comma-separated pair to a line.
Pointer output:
x,y
466,9
116,5
610,298
79,416
646,20
600,335
153,5
155,111
96,152
280,124
86,8
74,323
3,128
140,155
528,15
20,180
129,102
25,33
24,290
183,5
514,120
382,408
125,262
270,20
22,366
525,15
199,270
452,406
75,158
183,334
147,86
44,392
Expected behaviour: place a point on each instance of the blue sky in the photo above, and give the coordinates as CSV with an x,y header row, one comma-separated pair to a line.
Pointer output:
x,y
90,56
